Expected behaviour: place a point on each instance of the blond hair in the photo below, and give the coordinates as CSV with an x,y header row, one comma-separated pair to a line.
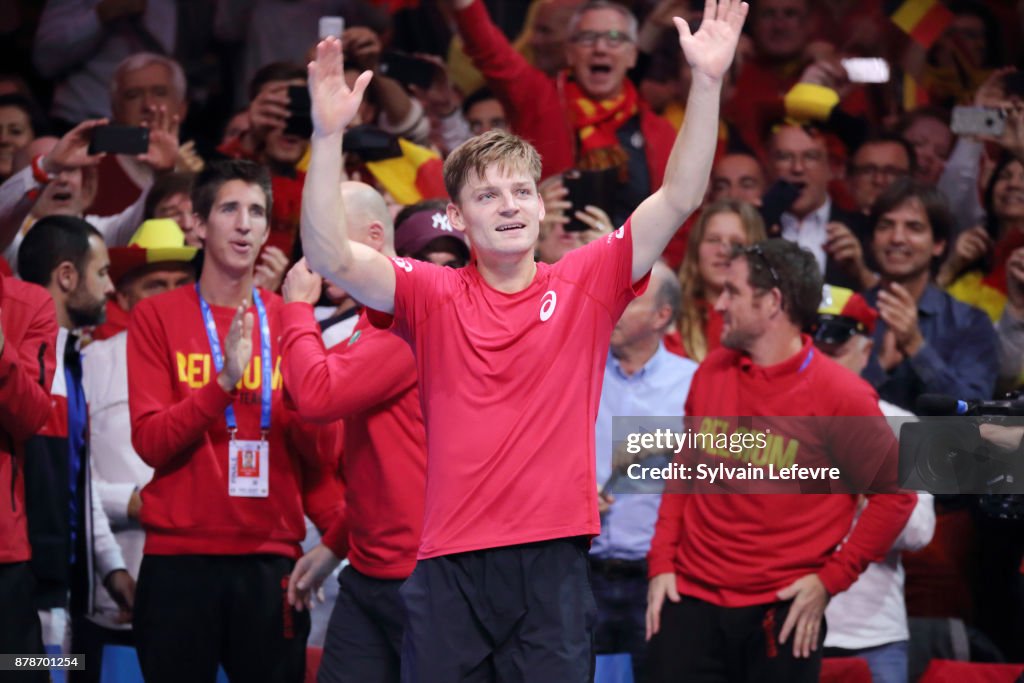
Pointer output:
x,y
494,148
693,315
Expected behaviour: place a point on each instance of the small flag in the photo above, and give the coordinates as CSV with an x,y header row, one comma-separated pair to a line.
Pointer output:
x,y
412,177
914,94
923,20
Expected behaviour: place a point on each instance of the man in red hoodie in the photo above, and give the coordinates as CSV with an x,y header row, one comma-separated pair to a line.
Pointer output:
x,y
28,339
589,117
370,381
234,468
745,574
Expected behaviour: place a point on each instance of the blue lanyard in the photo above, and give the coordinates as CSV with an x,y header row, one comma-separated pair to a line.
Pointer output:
x,y
266,368
807,361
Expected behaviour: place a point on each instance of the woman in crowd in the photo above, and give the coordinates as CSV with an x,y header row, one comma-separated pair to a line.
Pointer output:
x,y
974,271
722,225
20,124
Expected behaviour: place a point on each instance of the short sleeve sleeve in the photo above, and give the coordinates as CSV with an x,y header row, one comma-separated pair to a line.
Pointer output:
x,y
604,268
419,288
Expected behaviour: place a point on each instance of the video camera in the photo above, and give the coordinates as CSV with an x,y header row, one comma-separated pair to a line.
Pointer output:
x,y
945,452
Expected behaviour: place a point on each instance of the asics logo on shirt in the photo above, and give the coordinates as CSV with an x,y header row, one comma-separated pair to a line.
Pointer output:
x,y
547,305
402,263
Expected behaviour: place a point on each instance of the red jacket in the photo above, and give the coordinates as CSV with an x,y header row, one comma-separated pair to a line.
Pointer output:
x,y
738,550
179,429
537,108
371,382
27,363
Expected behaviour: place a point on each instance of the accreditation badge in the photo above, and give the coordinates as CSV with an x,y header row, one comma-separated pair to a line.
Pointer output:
x,y
249,468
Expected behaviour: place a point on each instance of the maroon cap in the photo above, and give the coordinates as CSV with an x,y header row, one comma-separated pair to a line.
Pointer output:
x,y
416,232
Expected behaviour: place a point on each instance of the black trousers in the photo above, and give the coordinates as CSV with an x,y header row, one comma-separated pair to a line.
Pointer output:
x,y
364,636
703,643
88,638
20,632
193,611
514,614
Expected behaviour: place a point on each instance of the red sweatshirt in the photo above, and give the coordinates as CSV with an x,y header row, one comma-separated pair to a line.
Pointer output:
x,y
179,429
538,110
370,381
27,362
739,550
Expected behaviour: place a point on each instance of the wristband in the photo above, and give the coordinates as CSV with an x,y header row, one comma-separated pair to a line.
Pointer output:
x,y
39,173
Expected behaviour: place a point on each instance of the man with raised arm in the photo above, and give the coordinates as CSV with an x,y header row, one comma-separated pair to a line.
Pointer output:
x,y
500,589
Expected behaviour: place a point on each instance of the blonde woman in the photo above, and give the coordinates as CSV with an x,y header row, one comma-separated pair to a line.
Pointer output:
x,y
702,275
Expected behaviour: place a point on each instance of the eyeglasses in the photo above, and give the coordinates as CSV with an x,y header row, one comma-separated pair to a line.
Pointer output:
x,y
890,172
756,250
612,39
809,158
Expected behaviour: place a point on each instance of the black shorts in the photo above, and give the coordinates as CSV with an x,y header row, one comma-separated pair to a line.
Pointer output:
x,y
699,642
364,636
517,613
195,611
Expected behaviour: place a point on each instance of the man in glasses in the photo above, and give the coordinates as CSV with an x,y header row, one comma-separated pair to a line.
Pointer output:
x,y
724,603
877,164
610,128
799,156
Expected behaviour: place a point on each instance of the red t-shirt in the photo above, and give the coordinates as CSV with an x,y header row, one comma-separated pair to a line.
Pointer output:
x,y
179,429
370,381
739,550
510,386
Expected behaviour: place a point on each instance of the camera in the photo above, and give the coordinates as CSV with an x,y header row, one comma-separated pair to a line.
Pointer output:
x,y
947,452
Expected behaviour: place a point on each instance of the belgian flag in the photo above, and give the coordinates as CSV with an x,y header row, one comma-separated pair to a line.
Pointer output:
x,y
409,172
923,20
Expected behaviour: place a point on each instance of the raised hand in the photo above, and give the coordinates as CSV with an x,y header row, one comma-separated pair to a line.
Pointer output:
x,y
334,104
72,150
710,50
237,349
162,153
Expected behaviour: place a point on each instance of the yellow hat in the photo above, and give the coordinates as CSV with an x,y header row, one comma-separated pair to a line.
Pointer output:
x,y
158,240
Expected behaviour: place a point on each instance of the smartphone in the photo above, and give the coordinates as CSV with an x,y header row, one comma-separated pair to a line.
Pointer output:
x,y
777,201
117,139
588,187
331,26
299,122
866,69
407,69
978,121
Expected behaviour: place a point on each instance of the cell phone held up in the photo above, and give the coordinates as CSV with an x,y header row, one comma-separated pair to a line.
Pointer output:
x,y
300,120
585,188
117,139
978,121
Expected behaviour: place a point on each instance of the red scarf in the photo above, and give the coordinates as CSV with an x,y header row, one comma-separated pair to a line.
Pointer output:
x,y
596,124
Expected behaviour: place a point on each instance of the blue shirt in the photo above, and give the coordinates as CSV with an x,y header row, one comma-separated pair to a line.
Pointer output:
x,y
658,388
959,356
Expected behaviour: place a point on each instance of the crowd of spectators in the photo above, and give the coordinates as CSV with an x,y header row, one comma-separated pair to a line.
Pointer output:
x,y
925,223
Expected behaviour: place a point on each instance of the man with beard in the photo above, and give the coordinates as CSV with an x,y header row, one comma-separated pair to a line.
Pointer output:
x,y
69,534
724,604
